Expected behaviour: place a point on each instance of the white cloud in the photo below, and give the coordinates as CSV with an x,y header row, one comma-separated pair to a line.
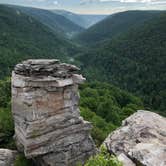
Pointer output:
x,y
158,2
55,2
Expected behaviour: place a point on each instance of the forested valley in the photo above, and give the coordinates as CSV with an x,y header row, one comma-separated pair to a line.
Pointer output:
x,y
125,68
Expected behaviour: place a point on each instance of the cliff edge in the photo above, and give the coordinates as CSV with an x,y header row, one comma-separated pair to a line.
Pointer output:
x,y
140,141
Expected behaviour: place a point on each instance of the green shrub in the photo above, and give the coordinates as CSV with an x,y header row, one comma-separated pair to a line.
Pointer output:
x,y
105,106
101,128
6,128
5,92
6,122
22,161
103,159
6,119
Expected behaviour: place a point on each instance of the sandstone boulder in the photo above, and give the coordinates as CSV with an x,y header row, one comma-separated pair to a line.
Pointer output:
x,y
45,106
141,138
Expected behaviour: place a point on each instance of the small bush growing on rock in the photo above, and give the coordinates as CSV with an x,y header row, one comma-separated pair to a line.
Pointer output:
x,y
6,119
22,161
103,159
101,128
6,128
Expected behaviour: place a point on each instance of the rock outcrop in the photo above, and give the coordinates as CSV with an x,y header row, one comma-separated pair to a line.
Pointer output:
x,y
48,126
140,141
7,157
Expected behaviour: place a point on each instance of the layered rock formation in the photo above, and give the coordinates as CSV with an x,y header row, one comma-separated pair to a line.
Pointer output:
x,y
48,126
140,141
7,157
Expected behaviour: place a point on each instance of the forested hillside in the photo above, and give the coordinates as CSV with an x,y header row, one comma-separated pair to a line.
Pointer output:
x,y
115,25
126,50
23,37
56,22
106,106
102,104
134,61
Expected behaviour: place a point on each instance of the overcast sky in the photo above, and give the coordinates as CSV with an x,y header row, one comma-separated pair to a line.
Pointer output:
x,y
93,6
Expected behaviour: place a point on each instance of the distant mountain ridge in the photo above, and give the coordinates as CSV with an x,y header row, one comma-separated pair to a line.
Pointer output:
x,y
83,20
114,25
134,60
56,22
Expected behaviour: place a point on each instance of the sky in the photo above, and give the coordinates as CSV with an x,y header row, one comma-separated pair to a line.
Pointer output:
x,y
92,6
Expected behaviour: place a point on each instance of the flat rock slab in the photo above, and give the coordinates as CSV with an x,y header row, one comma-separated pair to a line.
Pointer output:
x,y
141,138
45,67
7,157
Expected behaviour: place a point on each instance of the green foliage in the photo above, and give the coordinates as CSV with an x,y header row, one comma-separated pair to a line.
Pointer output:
x,y
102,104
101,128
23,37
5,91
106,106
6,119
103,159
115,25
22,161
108,102
56,22
134,61
6,123
83,20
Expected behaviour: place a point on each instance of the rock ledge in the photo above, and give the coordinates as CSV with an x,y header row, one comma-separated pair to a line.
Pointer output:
x,y
141,138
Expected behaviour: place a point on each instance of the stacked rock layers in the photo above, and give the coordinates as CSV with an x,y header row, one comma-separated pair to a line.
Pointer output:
x,y
48,126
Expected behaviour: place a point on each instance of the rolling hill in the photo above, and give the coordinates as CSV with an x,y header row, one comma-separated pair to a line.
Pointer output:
x,y
56,22
114,25
22,37
134,61
83,20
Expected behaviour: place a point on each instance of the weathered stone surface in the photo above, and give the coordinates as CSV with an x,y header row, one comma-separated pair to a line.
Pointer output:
x,y
82,151
142,138
45,102
45,67
125,160
7,157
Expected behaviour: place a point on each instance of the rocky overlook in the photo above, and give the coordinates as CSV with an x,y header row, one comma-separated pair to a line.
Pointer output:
x,y
140,141
50,131
48,126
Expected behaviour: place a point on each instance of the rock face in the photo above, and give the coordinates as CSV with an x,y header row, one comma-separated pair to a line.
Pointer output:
x,y
7,157
48,126
141,140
